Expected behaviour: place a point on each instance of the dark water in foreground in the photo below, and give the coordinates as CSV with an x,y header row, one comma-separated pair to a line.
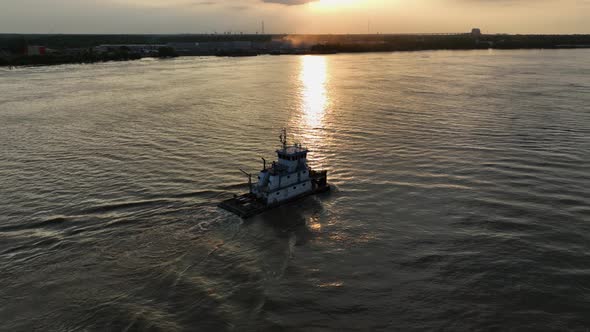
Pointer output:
x,y
461,201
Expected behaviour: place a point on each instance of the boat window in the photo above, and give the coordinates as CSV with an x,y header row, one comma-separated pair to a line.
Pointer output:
x,y
278,192
294,187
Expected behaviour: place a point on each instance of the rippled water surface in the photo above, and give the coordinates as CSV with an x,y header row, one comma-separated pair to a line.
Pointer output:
x,y
461,194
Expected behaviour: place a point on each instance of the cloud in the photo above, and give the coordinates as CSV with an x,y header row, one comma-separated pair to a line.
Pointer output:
x,y
251,2
290,2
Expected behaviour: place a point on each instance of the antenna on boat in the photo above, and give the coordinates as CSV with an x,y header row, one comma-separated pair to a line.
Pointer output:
x,y
249,179
263,164
283,137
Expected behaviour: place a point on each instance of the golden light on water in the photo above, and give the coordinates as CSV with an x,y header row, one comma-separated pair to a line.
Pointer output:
x,y
314,94
315,103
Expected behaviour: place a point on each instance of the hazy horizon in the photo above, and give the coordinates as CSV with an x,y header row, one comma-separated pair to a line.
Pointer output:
x,y
294,16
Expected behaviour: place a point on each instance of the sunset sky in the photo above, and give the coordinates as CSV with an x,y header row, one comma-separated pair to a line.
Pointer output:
x,y
293,16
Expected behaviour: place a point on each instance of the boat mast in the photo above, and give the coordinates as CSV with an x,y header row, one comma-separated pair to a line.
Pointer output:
x,y
283,138
249,179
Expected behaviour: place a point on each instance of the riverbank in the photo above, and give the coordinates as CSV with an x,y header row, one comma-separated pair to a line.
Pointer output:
x,y
49,60
15,50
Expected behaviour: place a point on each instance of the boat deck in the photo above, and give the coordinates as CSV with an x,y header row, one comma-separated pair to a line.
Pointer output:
x,y
248,205
244,206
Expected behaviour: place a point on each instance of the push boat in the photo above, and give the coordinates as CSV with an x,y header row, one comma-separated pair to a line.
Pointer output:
x,y
283,181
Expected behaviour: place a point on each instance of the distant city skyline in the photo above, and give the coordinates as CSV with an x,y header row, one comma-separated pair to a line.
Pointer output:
x,y
294,16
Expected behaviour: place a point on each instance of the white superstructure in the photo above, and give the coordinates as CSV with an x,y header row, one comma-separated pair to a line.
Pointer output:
x,y
287,178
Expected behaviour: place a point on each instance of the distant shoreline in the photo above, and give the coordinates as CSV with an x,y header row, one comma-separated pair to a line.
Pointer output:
x,y
49,61
44,50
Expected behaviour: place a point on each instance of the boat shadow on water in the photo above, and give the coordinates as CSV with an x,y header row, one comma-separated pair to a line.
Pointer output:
x,y
295,218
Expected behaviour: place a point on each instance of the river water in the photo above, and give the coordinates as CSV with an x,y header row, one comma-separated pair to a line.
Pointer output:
x,y
461,194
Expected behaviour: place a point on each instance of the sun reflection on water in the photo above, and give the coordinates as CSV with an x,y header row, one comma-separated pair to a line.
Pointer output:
x,y
314,107
314,75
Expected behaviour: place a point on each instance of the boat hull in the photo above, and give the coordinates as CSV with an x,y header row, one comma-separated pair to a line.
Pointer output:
x,y
248,205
